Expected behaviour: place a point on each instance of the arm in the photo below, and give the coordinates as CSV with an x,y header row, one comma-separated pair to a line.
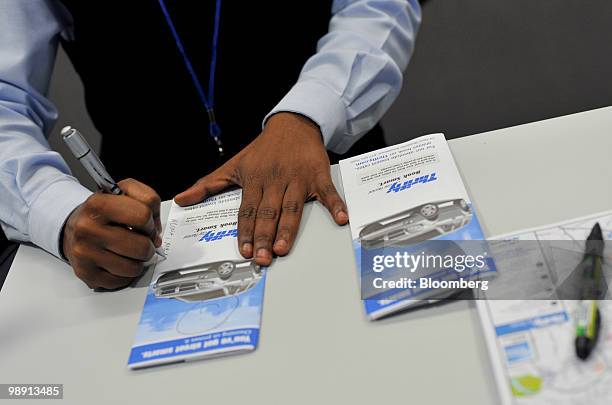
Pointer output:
x,y
39,198
37,190
343,90
356,74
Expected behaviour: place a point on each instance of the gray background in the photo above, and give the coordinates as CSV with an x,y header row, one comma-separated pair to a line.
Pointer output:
x,y
479,65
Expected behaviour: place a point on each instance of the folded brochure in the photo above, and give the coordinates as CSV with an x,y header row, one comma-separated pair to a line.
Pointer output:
x,y
205,299
399,198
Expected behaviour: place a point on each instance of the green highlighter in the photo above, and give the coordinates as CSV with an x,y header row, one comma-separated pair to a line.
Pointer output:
x,y
588,319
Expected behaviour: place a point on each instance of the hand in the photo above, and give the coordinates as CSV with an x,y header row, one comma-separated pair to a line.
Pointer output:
x,y
97,243
285,166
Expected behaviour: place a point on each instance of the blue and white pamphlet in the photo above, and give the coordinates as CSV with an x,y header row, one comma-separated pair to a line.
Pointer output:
x,y
531,342
407,202
204,300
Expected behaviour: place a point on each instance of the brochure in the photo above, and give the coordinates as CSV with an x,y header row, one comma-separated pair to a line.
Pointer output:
x,y
205,299
531,342
400,198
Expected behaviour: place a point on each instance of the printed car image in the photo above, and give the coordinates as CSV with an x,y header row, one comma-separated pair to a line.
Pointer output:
x,y
417,224
207,281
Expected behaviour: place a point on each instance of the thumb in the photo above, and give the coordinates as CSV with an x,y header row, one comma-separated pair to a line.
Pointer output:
x,y
327,194
207,186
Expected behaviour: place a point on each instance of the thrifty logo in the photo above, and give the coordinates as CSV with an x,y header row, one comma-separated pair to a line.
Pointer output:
x,y
397,186
211,236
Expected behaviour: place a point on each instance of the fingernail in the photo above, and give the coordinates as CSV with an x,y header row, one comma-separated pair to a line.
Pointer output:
x,y
247,249
158,241
341,216
280,244
262,253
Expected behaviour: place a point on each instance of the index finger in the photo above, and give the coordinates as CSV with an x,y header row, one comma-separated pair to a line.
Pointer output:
x,y
122,210
146,195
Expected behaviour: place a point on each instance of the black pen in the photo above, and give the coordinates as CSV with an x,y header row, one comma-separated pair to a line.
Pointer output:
x,y
588,318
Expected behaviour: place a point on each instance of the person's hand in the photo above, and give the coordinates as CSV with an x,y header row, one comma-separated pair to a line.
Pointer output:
x,y
282,168
98,245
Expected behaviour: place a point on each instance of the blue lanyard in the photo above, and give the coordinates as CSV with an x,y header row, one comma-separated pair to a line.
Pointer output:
x,y
208,102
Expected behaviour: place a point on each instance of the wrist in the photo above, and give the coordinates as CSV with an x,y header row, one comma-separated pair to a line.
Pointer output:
x,y
62,237
299,123
50,211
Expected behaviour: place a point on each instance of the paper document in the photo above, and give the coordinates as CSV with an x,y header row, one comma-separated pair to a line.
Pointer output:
x,y
400,198
531,342
205,299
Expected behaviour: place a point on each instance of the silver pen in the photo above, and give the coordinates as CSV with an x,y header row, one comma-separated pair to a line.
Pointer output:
x,y
92,163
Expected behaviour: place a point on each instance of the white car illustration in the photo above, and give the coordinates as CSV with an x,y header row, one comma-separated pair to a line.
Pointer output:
x,y
207,281
417,224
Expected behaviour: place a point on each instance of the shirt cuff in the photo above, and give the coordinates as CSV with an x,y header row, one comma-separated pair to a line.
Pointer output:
x,y
51,209
320,104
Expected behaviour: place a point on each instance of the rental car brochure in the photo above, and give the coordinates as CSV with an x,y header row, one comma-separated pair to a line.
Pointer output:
x,y
205,299
401,197
531,342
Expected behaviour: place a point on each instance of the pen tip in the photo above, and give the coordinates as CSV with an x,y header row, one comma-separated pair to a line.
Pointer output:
x,y
596,233
582,348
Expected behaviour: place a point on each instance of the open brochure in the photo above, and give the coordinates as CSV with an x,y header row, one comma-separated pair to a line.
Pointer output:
x,y
205,299
531,342
399,198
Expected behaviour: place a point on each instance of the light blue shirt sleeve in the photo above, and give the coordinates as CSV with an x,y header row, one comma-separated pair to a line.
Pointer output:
x,y
37,192
356,73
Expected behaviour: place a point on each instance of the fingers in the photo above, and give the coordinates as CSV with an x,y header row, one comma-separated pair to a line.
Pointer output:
x,y
90,273
113,263
146,195
328,195
120,209
123,242
251,196
269,216
266,221
111,282
290,216
207,186
102,268
96,242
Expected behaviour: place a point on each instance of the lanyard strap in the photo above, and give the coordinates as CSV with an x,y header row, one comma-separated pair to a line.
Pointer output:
x,y
208,102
